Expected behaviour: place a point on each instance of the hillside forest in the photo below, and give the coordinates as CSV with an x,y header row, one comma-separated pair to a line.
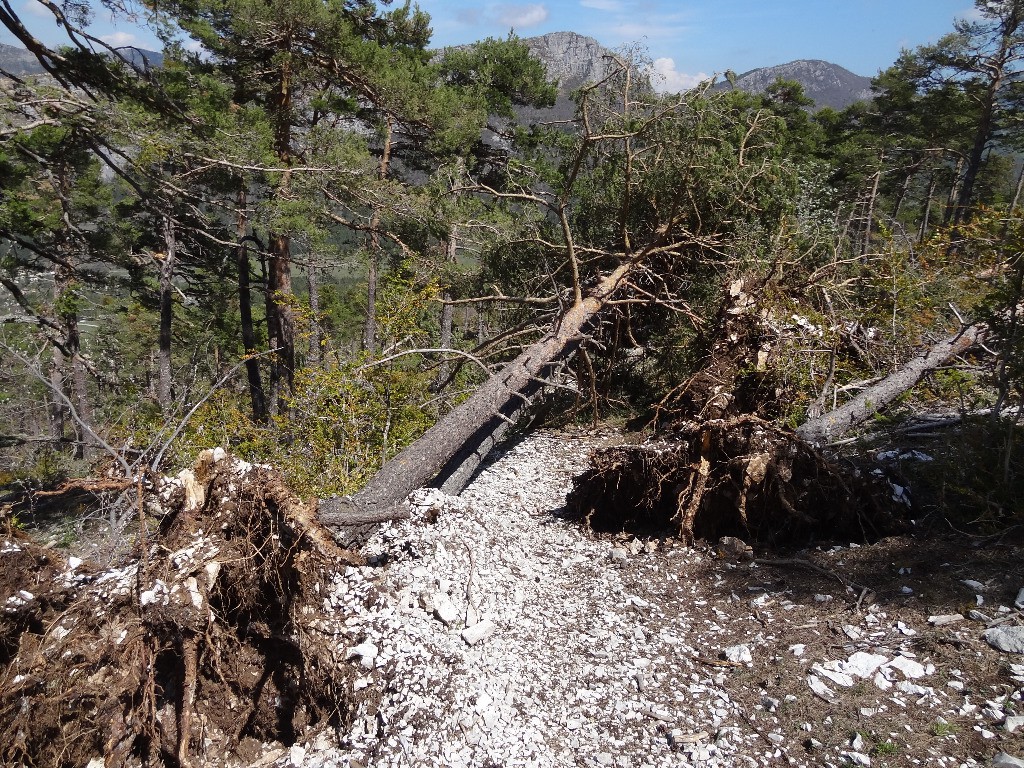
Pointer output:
x,y
306,236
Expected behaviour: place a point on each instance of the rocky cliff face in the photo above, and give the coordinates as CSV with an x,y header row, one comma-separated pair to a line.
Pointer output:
x,y
828,84
19,62
570,58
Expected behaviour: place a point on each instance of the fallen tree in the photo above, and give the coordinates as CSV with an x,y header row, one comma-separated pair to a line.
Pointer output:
x,y
658,227
722,470
740,477
449,452
830,426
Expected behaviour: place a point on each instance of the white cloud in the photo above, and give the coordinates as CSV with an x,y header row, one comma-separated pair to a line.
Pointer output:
x,y
602,5
668,80
971,14
40,11
519,16
119,39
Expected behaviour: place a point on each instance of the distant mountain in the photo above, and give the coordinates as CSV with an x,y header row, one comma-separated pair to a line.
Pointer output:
x,y
828,84
20,62
573,60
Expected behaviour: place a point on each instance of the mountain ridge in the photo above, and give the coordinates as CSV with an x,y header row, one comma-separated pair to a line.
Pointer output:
x,y
827,83
574,59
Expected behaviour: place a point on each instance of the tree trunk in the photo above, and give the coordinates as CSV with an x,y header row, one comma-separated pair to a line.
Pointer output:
x,y
827,427
983,134
370,325
923,233
370,322
164,393
280,318
954,193
280,315
452,448
57,409
67,315
316,352
270,312
444,371
902,195
252,365
1013,203
869,222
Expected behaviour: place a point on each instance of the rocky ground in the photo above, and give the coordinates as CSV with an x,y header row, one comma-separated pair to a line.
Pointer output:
x,y
489,631
492,633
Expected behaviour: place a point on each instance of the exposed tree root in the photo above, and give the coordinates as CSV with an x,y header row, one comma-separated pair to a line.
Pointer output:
x,y
204,639
739,477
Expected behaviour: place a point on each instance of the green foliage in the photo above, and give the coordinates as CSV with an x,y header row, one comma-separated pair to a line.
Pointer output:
x,y
886,748
943,729
341,425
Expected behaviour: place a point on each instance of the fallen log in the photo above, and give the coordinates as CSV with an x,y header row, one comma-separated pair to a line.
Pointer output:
x,y
451,450
832,425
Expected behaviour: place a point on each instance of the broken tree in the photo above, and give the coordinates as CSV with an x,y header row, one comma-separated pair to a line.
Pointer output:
x,y
723,470
633,210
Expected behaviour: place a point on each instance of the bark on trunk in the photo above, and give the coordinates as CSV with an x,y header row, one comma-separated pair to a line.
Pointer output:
x,y
57,409
316,352
270,313
280,317
826,428
370,324
280,291
869,223
164,393
79,394
444,371
460,440
252,366
923,233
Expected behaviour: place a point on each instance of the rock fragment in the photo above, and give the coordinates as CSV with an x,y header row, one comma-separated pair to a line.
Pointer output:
x,y
365,652
820,689
479,632
910,668
1013,723
856,758
1006,639
445,610
738,654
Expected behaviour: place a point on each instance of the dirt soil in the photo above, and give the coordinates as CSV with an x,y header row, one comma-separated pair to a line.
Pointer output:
x,y
489,630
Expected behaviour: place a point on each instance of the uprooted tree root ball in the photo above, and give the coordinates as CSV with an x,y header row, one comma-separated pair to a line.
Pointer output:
x,y
197,651
739,477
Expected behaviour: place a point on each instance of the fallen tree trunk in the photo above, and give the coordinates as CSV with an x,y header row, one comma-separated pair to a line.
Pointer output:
x,y
451,449
829,426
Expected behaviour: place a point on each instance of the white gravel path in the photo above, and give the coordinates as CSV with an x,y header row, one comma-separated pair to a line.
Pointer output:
x,y
578,668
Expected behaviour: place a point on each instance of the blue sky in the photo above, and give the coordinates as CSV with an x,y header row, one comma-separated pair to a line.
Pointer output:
x,y
693,38
688,39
